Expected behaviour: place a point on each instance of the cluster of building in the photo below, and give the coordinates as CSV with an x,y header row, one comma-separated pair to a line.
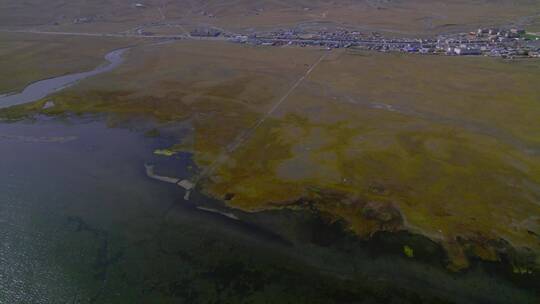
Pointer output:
x,y
87,19
205,32
495,34
487,42
511,42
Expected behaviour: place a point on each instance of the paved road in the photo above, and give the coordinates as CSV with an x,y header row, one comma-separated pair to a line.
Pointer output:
x,y
117,35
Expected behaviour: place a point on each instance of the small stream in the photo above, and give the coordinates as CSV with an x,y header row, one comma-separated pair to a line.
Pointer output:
x,y
42,88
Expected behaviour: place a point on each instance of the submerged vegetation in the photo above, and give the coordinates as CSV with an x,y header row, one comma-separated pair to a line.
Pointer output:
x,y
408,251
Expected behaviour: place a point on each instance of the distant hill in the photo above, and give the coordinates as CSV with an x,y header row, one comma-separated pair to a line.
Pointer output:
x,y
395,16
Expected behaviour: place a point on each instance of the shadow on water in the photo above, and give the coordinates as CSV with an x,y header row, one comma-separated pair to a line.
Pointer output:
x,y
333,249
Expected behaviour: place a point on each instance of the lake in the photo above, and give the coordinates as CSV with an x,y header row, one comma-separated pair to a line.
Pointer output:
x,y
81,222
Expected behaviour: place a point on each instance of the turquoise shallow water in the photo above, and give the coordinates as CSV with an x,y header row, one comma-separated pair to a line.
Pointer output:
x,y
80,222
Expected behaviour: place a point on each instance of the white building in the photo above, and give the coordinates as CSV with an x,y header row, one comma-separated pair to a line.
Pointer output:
x,y
467,51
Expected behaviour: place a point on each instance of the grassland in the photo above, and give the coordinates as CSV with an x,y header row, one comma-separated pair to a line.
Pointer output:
x,y
443,147
440,146
26,58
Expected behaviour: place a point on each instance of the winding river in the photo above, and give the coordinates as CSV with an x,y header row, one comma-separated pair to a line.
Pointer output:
x,y
42,88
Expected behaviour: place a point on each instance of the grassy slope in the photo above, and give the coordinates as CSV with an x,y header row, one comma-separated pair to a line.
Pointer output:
x,y
398,17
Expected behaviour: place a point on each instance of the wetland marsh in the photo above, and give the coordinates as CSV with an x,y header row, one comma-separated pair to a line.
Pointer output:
x,y
314,176
117,236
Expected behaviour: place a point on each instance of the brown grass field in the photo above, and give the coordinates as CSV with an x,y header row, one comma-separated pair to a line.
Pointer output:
x,y
426,17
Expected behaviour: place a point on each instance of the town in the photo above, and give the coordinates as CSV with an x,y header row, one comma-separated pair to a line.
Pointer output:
x,y
506,43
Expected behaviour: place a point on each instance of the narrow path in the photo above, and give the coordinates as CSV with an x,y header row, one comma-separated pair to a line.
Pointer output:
x,y
244,136
114,35
161,15
250,131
